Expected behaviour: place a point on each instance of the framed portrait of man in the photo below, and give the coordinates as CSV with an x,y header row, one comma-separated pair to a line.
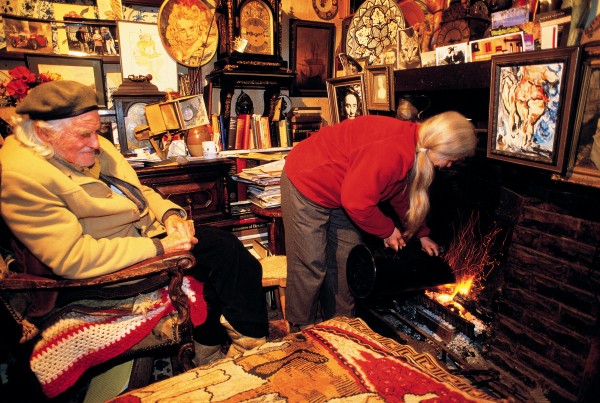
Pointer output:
x,y
346,97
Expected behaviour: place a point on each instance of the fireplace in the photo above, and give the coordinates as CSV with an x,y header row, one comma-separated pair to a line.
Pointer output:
x,y
531,258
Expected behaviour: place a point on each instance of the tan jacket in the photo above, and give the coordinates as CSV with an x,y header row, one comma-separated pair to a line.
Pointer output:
x,y
72,221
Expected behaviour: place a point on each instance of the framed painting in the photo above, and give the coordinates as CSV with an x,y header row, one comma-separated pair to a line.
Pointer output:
x,y
85,70
29,36
531,112
311,55
143,53
379,83
584,158
346,97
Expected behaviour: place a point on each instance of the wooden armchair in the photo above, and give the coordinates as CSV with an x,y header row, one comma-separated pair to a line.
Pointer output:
x,y
23,322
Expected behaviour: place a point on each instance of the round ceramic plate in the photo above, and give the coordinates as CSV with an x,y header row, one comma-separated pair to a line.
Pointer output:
x,y
374,27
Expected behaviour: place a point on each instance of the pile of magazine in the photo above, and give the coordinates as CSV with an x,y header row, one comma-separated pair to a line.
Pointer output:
x,y
263,183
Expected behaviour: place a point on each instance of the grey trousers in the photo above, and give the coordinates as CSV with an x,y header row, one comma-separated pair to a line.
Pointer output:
x,y
317,241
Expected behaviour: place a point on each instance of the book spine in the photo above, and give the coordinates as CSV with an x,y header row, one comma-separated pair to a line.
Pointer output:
x,y
223,125
232,133
239,133
241,164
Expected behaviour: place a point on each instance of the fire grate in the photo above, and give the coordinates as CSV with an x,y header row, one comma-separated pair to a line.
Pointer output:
x,y
461,324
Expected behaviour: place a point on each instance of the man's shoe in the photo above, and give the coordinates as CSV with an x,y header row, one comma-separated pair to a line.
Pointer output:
x,y
239,342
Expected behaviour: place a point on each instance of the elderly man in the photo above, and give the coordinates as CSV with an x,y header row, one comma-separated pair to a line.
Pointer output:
x,y
72,199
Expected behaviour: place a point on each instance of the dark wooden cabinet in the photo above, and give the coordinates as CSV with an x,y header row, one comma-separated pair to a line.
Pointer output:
x,y
198,187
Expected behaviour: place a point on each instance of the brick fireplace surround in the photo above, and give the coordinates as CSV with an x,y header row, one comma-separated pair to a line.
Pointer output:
x,y
544,298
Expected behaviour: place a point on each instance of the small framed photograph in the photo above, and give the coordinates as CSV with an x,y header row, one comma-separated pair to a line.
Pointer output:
x,y
452,54
26,35
311,55
484,49
92,38
379,83
531,102
346,97
86,70
143,53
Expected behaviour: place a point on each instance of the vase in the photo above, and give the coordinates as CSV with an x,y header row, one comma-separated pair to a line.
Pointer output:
x,y
194,138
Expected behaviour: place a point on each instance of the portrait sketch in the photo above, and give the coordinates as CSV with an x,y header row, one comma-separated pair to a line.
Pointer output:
x,y
142,53
188,31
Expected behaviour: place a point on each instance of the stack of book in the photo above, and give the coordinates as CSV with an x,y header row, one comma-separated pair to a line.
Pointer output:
x,y
262,183
302,121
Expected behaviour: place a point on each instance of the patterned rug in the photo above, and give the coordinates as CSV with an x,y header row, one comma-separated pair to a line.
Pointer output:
x,y
341,359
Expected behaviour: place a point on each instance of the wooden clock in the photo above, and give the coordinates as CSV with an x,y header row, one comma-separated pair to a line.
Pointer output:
x,y
249,35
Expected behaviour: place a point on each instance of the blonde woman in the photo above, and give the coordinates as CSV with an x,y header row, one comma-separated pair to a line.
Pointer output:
x,y
332,186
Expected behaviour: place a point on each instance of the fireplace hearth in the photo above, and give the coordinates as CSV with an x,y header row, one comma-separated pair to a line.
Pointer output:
x,y
531,329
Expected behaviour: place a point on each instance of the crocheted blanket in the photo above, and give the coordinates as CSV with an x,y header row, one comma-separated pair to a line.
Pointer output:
x,y
89,332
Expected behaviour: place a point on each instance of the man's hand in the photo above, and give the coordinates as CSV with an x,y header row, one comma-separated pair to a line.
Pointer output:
x,y
178,243
395,241
176,224
180,234
429,246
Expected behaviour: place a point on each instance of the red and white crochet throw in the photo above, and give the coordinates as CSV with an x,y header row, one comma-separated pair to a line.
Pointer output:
x,y
86,333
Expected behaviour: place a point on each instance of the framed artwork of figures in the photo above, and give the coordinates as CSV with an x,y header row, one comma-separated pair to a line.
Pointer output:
x,y
379,83
531,107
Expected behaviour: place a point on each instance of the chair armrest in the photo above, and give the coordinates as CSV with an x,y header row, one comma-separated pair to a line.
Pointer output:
x,y
163,263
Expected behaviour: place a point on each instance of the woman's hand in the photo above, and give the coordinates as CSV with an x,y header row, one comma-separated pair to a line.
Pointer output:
x,y
429,246
395,241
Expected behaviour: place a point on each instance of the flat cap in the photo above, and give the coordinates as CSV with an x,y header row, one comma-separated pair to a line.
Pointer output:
x,y
58,100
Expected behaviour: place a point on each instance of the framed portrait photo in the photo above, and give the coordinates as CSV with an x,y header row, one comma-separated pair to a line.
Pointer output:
x,y
346,97
311,52
87,71
142,53
379,85
531,112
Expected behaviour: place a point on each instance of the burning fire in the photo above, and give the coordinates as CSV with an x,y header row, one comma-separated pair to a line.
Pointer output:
x,y
469,256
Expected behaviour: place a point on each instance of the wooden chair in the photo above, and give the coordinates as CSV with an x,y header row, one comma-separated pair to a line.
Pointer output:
x,y
19,291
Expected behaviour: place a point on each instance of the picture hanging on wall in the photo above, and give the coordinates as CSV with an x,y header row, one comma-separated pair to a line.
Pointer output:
x,y
85,70
142,53
531,112
29,36
311,50
346,97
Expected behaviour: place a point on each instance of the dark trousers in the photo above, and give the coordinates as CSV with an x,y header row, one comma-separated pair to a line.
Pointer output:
x,y
232,280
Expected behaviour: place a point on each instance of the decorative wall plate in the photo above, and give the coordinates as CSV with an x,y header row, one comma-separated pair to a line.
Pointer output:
x,y
325,9
188,31
374,26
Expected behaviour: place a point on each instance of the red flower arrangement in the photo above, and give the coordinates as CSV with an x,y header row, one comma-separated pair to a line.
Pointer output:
x,y
20,82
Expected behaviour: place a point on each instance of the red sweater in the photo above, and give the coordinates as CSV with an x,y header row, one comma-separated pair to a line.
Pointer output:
x,y
355,165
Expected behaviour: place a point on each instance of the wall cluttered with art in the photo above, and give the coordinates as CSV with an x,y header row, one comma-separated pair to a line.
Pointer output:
x,y
336,50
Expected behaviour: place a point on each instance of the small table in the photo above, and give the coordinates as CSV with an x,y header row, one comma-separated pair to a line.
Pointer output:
x,y
276,232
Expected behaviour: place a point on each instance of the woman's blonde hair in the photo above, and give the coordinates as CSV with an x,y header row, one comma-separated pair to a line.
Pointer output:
x,y
451,136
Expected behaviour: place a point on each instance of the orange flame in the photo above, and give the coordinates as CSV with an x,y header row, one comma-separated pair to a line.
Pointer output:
x,y
471,262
